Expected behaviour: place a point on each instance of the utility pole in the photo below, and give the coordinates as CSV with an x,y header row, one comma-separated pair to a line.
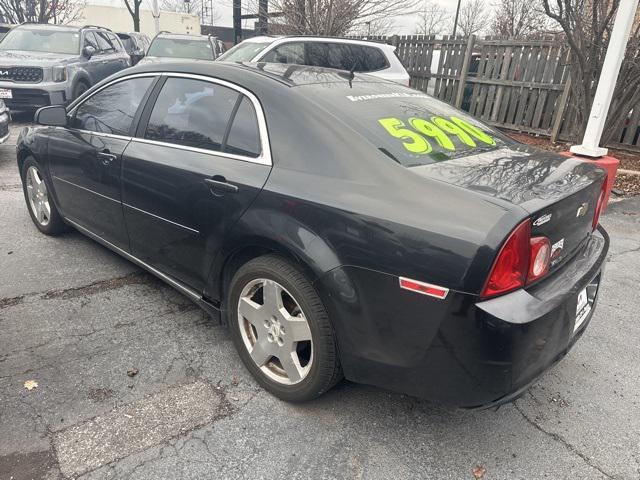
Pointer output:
x,y
237,22
156,15
455,22
590,146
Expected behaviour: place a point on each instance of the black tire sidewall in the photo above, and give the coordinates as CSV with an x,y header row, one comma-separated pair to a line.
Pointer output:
x,y
314,384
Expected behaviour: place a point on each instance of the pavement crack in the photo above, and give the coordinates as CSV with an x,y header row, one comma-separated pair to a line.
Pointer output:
x,y
135,278
11,301
560,439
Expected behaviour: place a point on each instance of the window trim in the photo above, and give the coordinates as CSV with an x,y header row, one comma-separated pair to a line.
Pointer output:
x,y
265,155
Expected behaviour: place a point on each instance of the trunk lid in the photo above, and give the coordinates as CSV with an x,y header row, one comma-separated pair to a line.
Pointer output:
x,y
560,193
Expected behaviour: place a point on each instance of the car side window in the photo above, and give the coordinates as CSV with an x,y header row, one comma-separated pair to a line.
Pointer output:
x,y
317,54
244,136
292,52
341,56
112,110
373,59
90,40
104,44
191,112
114,41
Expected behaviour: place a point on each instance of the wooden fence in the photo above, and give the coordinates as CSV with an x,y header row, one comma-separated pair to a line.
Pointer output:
x,y
522,85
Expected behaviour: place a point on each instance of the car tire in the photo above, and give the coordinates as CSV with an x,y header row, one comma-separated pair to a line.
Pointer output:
x,y
80,87
310,367
41,207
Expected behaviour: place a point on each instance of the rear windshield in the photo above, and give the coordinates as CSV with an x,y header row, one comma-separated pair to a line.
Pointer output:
x,y
42,40
199,49
408,126
243,52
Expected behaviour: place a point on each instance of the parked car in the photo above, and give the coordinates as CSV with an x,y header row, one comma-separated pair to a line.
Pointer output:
x,y
135,44
170,46
53,64
341,224
5,119
360,56
4,29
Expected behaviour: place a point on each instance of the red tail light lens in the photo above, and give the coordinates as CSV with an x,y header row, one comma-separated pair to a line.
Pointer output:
x,y
510,268
540,257
598,209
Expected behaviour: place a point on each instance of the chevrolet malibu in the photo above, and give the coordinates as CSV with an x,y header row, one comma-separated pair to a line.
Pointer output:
x,y
341,224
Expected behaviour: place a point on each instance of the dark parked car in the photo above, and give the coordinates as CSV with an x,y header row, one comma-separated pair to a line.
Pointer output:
x,y
341,224
172,46
135,44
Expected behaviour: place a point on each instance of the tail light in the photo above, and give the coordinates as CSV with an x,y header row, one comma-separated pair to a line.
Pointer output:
x,y
540,257
598,209
510,268
521,261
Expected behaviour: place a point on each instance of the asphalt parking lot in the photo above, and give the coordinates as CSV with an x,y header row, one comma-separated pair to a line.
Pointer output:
x,y
134,381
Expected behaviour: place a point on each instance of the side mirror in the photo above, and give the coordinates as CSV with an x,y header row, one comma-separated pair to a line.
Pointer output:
x,y
88,51
52,116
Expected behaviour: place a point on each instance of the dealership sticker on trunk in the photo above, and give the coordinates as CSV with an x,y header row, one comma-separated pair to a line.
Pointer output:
x,y
5,93
582,309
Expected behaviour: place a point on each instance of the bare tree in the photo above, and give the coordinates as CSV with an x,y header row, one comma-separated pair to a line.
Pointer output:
x,y
134,10
433,19
336,17
40,11
587,27
205,9
518,18
474,17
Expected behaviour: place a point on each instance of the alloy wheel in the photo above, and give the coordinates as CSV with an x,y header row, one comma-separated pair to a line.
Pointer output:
x,y
275,331
38,196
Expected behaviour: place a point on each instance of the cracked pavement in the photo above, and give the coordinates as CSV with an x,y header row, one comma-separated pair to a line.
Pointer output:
x,y
75,318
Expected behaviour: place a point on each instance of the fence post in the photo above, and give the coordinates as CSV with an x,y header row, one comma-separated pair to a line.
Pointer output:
x,y
464,70
562,105
504,75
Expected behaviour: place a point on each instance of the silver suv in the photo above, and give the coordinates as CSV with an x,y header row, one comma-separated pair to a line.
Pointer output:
x,y
51,64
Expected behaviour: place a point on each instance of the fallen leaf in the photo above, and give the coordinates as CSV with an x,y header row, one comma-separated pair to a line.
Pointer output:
x,y
132,372
30,384
235,381
479,472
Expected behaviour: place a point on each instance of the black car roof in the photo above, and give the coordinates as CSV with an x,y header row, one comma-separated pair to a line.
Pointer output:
x,y
245,73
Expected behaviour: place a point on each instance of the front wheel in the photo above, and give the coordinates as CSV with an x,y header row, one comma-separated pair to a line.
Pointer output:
x,y
41,208
281,330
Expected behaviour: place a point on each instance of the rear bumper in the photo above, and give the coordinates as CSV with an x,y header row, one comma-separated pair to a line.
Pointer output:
x,y
458,351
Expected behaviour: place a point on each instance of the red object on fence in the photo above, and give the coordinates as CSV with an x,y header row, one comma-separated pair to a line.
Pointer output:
x,y
610,164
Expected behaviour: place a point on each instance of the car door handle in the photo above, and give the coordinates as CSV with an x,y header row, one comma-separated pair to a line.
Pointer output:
x,y
219,185
106,158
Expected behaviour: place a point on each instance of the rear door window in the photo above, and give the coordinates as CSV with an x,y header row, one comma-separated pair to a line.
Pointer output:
x,y
373,59
192,113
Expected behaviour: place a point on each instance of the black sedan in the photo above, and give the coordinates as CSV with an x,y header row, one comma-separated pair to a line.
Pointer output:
x,y
342,225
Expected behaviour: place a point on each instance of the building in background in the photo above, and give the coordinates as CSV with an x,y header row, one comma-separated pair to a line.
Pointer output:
x,y
114,15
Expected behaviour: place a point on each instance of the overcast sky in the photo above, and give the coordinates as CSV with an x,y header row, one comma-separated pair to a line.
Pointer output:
x,y
403,25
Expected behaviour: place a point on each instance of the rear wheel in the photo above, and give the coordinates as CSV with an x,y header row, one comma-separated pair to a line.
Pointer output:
x,y
43,211
281,330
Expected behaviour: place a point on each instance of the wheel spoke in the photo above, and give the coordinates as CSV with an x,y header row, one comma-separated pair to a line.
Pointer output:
x,y
272,295
39,212
298,329
291,365
30,190
259,354
253,313
47,209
